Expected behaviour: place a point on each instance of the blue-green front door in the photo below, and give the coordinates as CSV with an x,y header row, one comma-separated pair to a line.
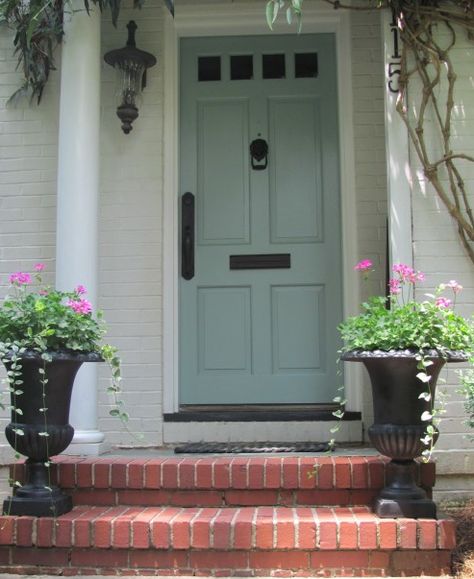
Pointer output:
x,y
265,335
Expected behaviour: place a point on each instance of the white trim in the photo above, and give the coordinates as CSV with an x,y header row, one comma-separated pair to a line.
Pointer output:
x,y
206,19
399,178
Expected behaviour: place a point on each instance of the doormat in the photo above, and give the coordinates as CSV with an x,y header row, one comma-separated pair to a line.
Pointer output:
x,y
250,447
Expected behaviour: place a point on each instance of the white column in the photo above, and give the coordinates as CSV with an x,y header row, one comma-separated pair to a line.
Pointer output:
x,y
78,194
399,179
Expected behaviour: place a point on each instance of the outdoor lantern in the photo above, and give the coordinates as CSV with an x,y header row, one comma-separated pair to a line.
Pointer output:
x,y
131,64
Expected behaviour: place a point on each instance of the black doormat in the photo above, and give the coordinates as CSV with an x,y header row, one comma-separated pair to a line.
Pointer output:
x,y
250,447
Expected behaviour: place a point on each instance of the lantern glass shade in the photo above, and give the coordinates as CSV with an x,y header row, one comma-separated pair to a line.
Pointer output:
x,y
130,82
130,63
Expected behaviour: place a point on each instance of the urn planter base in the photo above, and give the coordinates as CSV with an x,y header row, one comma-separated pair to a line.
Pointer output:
x,y
402,497
37,498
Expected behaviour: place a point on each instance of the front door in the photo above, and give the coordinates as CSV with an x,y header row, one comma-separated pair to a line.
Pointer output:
x,y
258,318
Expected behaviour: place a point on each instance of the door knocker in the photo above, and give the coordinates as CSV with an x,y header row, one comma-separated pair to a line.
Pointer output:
x,y
259,153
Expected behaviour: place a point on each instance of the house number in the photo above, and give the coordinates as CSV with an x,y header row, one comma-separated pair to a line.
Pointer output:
x,y
393,67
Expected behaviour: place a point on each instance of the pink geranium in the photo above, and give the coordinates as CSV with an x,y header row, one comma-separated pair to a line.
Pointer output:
x,y
363,265
394,286
443,303
39,267
80,289
407,273
80,306
20,278
455,286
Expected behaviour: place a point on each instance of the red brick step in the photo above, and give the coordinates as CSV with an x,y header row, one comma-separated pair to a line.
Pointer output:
x,y
245,541
227,481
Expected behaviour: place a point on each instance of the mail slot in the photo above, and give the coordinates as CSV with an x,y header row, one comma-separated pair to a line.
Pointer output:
x,y
260,261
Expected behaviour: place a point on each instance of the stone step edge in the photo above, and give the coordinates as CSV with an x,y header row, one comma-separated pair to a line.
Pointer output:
x,y
261,528
220,473
73,562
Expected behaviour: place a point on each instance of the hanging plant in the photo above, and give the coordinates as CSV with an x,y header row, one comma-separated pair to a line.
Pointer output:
x,y
38,26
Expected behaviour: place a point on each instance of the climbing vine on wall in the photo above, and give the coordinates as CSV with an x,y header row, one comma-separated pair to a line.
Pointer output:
x,y
428,32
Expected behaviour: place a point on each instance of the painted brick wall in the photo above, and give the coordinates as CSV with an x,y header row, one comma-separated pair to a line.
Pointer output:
x,y
437,249
130,233
28,159
369,147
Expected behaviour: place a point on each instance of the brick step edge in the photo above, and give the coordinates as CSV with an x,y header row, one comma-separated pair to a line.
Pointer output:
x,y
224,498
76,562
223,473
262,528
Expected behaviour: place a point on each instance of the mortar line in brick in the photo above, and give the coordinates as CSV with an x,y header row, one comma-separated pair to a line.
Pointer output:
x,y
171,527
178,473
253,530
211,527
317,527
338,528
232,528
377,533
191,526
274,528
296,525
398,535
213,475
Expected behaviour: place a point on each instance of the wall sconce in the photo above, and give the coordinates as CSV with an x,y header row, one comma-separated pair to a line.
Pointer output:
x,y
131,64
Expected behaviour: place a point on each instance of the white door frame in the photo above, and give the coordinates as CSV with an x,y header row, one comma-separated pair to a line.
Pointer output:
x,y
235,19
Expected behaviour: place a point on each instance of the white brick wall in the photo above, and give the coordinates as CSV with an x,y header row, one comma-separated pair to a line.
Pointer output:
x,y
437,249
131,231
369,147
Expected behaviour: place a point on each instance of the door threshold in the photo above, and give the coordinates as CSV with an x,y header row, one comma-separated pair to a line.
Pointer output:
x,y
258,413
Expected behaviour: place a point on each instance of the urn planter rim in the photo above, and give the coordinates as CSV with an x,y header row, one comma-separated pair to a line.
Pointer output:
x,y
63,355
361,355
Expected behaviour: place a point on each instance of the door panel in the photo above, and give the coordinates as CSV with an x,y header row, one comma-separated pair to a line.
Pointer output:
x,y
261,335
295,182
223,205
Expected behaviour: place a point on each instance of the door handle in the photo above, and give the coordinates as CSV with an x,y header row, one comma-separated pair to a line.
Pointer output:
x,y
187,236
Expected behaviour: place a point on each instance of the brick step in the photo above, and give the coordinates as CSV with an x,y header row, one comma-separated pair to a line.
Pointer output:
x,y
228,541
226,481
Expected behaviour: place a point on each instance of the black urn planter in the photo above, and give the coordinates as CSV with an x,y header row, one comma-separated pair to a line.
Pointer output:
x,y
37,496
398,429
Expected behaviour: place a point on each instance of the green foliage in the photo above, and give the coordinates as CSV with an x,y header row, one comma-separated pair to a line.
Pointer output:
x,y
40,318
467,389
46,322
414,325
39,29
292,9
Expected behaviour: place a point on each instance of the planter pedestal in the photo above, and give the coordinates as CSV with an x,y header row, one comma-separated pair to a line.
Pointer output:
x,y
39,435
398,429
402,497
35,497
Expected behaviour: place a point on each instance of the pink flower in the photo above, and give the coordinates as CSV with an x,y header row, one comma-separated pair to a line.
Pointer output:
x,y
394,285
80,290
407,273
443,303
39,267
20,278
363,265
455,286
80,306
43,292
